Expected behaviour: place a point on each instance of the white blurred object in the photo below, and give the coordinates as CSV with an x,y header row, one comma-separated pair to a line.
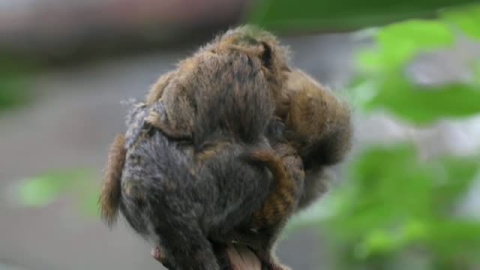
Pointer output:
x,y
470,205
445,66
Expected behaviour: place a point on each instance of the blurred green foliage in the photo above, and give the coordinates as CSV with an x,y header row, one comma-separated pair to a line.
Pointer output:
x,y
13,81
466,18
44,189
307,15
395,201
383,74
394,207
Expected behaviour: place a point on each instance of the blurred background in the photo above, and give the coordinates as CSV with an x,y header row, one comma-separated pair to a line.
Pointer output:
x,y
407,197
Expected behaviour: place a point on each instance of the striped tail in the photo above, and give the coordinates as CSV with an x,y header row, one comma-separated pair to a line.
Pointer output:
x,y
281,201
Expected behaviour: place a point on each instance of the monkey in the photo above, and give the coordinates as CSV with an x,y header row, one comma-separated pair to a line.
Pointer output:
x,y
177,88
317,122
223,123
185,210
319,126
318,135
199,71
269,215
129,189
309,144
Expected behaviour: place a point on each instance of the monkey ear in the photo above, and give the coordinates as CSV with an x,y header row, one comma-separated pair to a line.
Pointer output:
x,y
272,59
267,56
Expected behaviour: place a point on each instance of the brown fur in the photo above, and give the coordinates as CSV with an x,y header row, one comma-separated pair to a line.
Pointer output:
x,y
317,130
315,112
156,91
111,191
318,125
176,88
279,204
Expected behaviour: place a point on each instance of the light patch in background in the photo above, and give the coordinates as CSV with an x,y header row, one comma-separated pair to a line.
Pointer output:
x,y
44,189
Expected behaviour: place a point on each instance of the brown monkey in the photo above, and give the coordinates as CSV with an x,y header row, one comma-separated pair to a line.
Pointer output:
x,y
318,129
318,125
177,88
184,91
231,159
317,122
181,95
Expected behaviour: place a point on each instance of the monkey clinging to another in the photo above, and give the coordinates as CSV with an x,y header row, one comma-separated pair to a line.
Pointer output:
x,y
220,150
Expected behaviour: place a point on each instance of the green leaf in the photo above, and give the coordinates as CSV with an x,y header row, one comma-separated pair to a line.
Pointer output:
x,y
476,72
450,236
369,60
44,189
14,82
88,203
384,85
401,41
454,180
376,242
420,34
389,185
40,191
414,230
466,18
425,105
12,92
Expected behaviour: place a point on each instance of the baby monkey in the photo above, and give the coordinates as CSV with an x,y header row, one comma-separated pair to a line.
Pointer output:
x,y
318,126
178,89
317,123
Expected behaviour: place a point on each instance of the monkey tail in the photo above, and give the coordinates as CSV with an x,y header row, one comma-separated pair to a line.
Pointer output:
x,y
111,191
282,200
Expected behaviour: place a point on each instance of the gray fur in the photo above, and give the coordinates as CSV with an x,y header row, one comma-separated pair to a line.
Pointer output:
x,y
167,197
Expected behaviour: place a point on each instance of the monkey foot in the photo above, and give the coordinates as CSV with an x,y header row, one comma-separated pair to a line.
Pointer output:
x,y
158,254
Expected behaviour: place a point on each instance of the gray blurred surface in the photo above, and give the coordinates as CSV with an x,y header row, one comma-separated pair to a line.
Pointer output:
x,y
57,27
74,117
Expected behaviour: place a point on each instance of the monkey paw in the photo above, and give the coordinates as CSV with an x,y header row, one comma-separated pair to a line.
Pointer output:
x,y
159,255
